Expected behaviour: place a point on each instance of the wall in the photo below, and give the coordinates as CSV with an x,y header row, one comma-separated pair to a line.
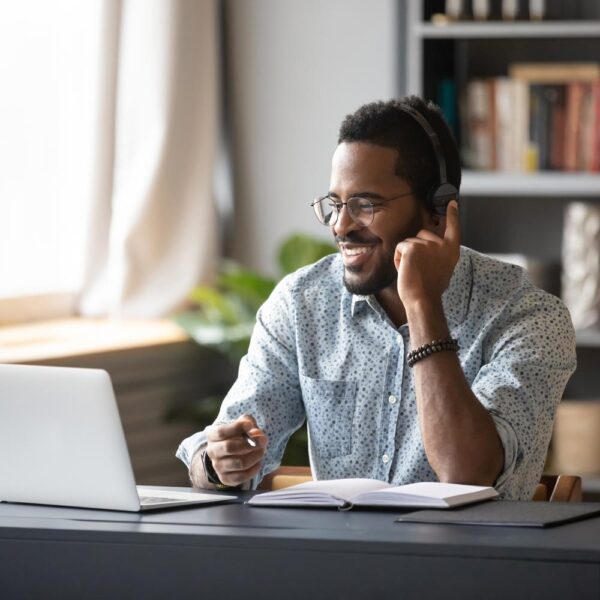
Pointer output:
x,y
294,70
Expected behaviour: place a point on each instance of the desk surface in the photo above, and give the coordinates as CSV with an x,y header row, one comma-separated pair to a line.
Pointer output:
x,y
201,546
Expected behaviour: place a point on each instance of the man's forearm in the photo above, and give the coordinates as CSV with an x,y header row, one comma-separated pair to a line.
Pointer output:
x,y
459,435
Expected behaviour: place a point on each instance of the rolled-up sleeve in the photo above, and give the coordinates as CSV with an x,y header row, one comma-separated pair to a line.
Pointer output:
x,y
528,359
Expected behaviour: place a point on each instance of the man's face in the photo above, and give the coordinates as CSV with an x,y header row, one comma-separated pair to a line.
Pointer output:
x,y
368,170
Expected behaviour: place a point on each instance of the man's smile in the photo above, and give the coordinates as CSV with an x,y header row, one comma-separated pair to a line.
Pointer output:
x,y
355,255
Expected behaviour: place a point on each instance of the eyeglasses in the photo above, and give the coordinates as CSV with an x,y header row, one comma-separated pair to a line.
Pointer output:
x,y
360,209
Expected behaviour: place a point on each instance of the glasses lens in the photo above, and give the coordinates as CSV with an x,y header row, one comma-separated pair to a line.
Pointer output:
x,y
361,211
325,210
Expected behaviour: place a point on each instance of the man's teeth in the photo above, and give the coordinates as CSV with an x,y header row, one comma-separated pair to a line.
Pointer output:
x,y
355,251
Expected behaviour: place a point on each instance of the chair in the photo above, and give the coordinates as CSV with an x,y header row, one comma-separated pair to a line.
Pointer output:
x,y
284,477
552,488
558,488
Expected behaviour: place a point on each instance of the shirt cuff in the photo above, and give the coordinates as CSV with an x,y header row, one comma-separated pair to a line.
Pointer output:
x,y
190,446
509,440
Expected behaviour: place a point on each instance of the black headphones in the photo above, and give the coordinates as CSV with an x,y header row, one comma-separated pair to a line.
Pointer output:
x,y
441,194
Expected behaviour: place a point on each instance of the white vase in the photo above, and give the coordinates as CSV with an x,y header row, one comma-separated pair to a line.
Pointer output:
x,y
581,263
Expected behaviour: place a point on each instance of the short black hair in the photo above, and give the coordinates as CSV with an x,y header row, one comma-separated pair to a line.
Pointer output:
x,y
386,124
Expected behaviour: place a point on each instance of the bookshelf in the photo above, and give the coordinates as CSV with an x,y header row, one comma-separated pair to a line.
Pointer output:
x,y
547,184
504,211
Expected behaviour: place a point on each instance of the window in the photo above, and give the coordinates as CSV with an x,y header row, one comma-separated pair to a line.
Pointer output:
x,y
49,57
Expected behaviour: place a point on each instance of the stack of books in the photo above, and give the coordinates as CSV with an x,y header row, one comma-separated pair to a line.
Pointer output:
x,y
541,117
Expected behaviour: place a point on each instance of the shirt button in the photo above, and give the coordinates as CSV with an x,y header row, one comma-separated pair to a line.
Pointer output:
x,y
385,458
392,399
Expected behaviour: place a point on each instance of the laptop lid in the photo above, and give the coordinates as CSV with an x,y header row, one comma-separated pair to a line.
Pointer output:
x,y
61,439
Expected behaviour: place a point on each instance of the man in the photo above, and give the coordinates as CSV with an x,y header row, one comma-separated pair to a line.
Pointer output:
x,y
411,358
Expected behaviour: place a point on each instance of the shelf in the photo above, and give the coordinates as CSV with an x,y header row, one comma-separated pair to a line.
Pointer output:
x,y
588,338
498,30
554,184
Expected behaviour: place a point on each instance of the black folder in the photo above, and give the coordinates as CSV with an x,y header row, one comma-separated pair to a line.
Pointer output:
x,y
508,513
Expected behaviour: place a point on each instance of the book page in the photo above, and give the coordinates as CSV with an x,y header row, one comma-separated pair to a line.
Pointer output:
x,y
335,492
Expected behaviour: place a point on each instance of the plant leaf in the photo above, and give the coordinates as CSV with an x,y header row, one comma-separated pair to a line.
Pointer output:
x,y
250,287
301,250
216,306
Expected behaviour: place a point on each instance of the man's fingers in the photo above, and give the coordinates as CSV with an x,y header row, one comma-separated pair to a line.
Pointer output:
x,y
243,424
240,462
452,233
237,477
236,446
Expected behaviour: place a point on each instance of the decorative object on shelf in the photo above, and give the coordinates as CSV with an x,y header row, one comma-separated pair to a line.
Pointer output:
x,y
454,10
481,9
581,263
537,9
510,9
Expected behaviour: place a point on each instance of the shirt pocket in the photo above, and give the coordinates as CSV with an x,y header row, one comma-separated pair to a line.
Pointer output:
x,y
329,406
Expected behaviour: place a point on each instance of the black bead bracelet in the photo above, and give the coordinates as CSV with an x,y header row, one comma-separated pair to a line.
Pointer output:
x,y
426,350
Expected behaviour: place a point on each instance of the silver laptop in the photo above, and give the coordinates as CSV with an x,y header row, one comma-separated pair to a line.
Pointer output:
x,y
62,443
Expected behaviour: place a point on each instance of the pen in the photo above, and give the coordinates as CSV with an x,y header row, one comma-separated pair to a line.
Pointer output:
x,y
250,440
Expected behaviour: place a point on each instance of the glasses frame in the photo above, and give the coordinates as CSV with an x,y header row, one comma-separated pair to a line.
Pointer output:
x,y
338,205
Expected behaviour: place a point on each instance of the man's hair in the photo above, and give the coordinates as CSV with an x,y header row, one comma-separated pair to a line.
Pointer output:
x,y
386,124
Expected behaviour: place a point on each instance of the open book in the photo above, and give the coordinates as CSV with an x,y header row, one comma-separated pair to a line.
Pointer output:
x,y
345,493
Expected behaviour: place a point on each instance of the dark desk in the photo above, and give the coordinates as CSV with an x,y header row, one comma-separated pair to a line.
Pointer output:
x,y
234,551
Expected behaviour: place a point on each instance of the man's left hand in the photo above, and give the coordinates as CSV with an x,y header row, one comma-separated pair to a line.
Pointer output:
x,y
425,263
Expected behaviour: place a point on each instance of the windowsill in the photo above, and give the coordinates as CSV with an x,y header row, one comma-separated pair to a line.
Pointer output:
x,y
46,340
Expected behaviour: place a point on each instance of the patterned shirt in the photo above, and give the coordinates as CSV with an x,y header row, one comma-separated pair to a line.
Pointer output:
x,y
322,354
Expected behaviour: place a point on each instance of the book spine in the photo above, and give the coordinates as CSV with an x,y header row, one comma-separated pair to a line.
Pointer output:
x,y
572,124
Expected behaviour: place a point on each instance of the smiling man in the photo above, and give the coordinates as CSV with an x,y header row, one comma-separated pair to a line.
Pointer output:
x,y
411,358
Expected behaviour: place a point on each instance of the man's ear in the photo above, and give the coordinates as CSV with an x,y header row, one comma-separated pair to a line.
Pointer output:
x,y
434,222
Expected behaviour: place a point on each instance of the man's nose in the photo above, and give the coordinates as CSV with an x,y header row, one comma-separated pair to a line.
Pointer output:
x,y
344,223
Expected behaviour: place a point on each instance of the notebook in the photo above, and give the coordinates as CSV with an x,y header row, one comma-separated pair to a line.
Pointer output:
x,y
347,493
62,443
509,513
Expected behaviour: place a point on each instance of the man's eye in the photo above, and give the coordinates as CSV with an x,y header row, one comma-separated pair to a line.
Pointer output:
x,y
363,205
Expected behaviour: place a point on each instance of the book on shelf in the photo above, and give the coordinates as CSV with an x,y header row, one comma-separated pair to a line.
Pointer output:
x,y
348,493
541,117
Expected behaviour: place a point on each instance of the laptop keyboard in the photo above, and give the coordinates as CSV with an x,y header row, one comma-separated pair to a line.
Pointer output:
x,y
153,500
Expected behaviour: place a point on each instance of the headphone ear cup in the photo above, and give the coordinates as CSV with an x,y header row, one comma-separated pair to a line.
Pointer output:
x,y
441,196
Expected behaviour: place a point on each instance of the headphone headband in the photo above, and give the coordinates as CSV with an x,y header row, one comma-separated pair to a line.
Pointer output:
x,y
444,192
433,136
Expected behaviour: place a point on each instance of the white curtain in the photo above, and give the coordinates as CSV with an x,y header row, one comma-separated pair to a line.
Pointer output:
x,y
152,233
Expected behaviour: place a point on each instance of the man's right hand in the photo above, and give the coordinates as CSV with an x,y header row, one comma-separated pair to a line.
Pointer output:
x,y
233,458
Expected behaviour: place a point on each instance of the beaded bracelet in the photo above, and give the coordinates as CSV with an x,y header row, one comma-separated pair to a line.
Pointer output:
x,y
425,350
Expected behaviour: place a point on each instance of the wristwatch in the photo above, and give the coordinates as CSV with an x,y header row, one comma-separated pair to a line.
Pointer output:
x,y
211,474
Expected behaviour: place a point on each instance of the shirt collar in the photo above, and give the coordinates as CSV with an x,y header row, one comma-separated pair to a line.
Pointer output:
x,y
455,299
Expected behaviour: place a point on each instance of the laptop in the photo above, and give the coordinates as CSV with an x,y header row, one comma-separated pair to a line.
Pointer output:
x,y
62,443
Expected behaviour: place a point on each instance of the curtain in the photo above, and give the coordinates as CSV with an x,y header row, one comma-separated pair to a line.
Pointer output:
x,y
152,230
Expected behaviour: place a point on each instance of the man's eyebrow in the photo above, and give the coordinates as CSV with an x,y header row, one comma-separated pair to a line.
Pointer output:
x,y
369,195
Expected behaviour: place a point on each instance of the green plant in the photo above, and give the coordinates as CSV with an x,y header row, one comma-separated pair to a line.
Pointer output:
x,y
222,317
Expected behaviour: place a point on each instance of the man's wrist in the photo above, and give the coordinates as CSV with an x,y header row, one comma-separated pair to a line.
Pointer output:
x,y
426,321
211,475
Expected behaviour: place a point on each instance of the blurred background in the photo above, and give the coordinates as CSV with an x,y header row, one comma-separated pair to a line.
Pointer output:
x,y
159,158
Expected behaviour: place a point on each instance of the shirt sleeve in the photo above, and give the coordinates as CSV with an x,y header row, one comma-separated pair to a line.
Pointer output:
x,y
528,359
267,386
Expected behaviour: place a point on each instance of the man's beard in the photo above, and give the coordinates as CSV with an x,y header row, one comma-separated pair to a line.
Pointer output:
x,y
385,274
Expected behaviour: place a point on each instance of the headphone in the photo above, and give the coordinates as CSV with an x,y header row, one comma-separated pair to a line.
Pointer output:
x,y
441,194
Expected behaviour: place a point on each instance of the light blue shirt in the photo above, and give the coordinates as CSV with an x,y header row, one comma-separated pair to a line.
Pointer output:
x,y
335,359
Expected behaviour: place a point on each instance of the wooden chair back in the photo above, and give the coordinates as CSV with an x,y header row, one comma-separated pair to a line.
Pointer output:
x,y
558,488
285,477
